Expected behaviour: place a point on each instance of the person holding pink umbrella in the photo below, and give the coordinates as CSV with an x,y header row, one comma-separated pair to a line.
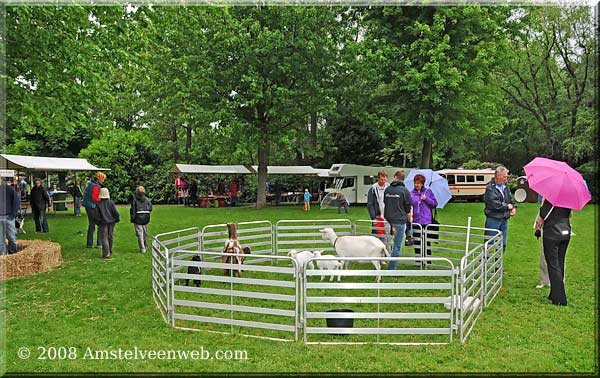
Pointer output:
x,y
555,240
564,190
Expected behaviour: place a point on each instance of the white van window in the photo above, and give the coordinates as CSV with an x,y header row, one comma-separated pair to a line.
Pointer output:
x,y
470,178
479,178
451,180
369,180
460,178
348,182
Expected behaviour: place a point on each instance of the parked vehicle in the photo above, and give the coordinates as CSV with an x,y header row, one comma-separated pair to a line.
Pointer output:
x,y
355,180
467,183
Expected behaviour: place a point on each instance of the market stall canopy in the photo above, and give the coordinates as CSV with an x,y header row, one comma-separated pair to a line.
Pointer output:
x,y
322,172
215,169
42,163
289,170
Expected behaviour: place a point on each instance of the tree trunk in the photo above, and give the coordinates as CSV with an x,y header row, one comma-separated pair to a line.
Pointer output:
x,y
263,161
174,143
313,130
188,143
426,153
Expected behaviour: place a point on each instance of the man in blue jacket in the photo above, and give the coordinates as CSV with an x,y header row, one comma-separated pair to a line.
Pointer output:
x,y
499,205
10,202
397,211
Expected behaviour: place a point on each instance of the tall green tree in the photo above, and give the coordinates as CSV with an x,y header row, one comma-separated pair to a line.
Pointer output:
x,y
435,63
272,61
550,76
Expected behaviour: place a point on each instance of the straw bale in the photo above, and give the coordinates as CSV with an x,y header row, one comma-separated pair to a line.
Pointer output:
x,y
33,256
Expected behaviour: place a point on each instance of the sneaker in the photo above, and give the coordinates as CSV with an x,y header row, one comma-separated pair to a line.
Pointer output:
x,y
98,246
142,251
541,286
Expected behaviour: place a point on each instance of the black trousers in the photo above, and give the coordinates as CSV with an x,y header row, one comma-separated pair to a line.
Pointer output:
x,y
555,251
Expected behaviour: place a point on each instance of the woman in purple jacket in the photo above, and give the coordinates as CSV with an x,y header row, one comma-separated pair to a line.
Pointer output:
x,y
423,202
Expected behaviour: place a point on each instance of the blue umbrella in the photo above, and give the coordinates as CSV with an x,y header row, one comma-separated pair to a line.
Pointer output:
x,y
433,181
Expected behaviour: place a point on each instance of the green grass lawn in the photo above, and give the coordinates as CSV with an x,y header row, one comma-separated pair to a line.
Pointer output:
x,y
89,302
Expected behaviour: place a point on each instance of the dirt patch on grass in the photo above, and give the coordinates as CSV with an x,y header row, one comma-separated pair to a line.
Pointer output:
x,y
33,256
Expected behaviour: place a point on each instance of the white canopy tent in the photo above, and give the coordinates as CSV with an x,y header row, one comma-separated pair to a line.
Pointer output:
x,y
46,164
322,172
214,169
289,170
43,163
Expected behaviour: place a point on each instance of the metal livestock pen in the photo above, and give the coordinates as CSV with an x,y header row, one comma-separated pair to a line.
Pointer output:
x,y
440,288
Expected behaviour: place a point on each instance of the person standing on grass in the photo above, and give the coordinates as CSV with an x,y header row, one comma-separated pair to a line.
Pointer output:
x,y
306,200
91,198
23,188
557,234
375,204
499,205
77,194
398,211
141,207
10,203
107,217
40,201
233,192
423,202
342,203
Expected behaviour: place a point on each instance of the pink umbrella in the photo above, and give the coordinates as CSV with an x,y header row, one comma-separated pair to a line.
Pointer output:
x,y
558,182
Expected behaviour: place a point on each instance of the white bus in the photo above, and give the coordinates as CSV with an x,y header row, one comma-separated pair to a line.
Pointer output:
x,y
355,180
467,183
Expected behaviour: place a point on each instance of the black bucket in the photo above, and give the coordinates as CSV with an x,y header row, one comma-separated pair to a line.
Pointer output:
x,y
340,323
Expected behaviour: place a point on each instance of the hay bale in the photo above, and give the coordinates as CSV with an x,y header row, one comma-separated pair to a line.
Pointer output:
x,y
33,256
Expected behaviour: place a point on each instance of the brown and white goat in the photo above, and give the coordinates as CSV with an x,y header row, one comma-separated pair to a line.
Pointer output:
x,y
232,245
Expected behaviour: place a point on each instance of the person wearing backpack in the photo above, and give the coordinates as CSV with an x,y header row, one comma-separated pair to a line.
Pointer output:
x,y
141,207
107,217
91,198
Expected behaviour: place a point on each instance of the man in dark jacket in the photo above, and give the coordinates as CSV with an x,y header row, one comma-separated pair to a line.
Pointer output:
x,y
499,205
375,203
397,211
39,200
140,211
10,202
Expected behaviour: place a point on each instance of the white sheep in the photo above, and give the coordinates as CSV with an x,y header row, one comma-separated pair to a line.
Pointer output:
x,y
330,262
469,302
356,246
302,257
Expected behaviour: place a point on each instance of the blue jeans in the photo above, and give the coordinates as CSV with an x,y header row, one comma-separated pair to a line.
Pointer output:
x,y
39,217
77,205
91,214
8,231
497,224
399,230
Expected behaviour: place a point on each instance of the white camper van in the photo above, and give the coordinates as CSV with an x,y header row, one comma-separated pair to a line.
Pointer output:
x,y
354,180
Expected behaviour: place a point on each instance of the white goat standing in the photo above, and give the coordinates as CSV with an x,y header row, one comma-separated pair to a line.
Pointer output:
x,y
330,262
356,246
302,257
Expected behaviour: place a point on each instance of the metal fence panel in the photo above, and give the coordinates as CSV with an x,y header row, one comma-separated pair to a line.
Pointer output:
x,y
494,267
160,278
257,235
405,307
265,298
